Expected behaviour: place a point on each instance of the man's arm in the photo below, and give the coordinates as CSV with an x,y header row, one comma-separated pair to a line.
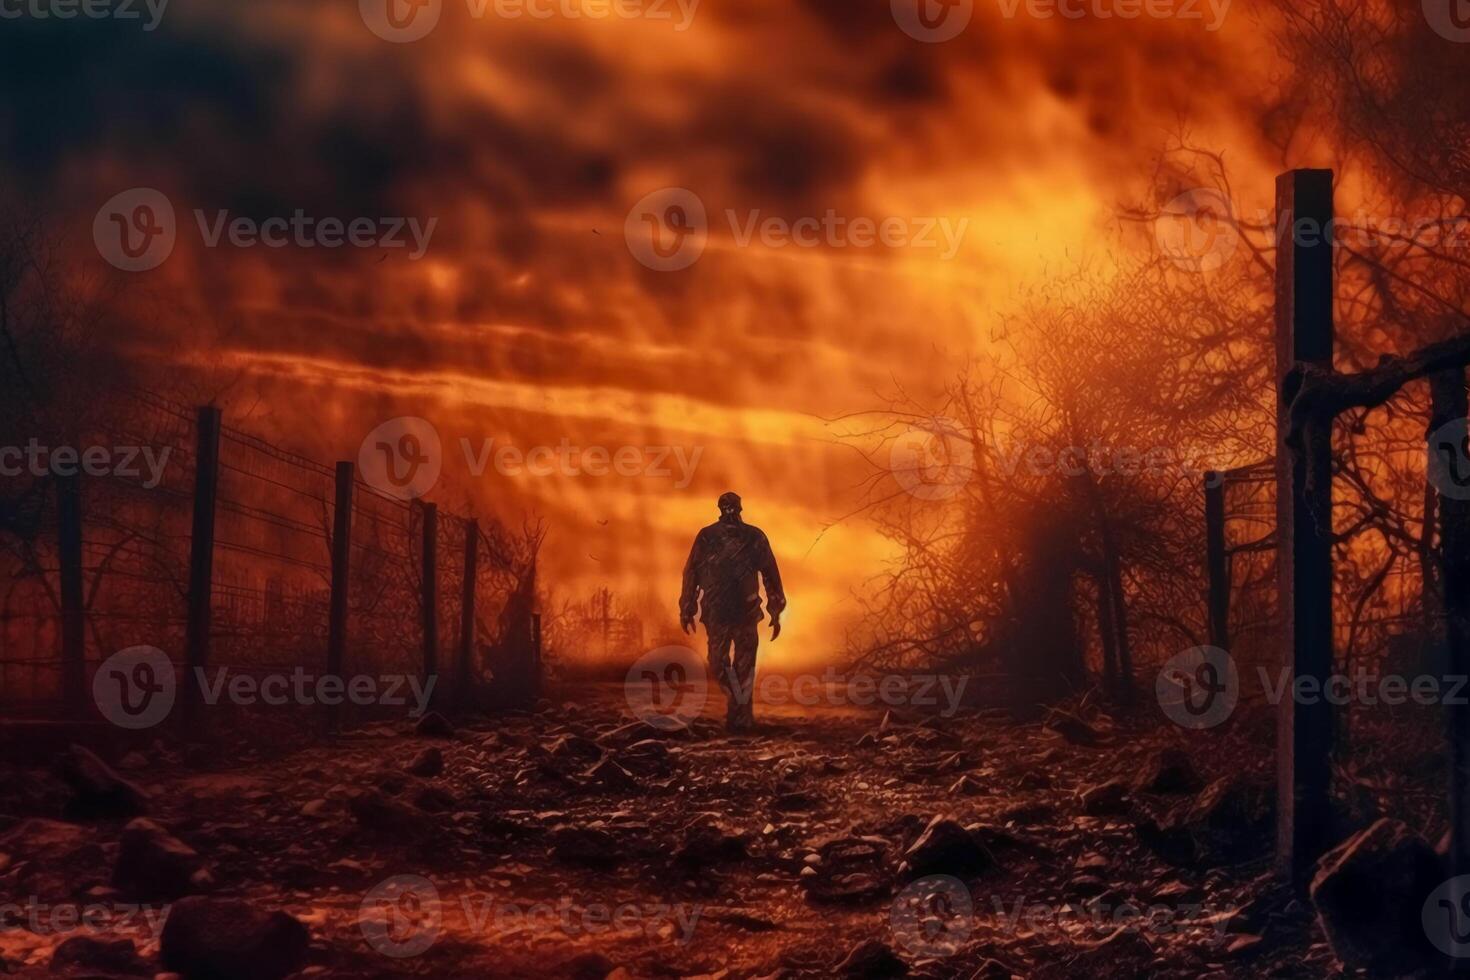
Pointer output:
x,y
771,577
689,593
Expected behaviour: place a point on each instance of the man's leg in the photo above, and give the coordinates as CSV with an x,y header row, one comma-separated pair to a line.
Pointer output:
x,y
746,640
719,662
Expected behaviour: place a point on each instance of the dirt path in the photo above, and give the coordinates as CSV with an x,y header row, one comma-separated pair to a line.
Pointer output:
x,y
577,840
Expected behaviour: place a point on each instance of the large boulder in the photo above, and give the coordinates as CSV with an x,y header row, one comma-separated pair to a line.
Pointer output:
x,y
97,790
1369,893
228,939
153,864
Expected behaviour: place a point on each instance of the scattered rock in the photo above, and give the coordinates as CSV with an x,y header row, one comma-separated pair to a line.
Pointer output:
x,y
706,844
227,939
1074,730
1370,892
99,953
428,763
379,812
588,847
588,966
98,791
1169,771
1105,799
434,725
872,960
574,748
1230,822
153,864
946,847
965,786
608,773
432,799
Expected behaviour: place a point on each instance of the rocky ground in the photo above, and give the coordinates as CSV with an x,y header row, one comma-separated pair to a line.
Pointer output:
x,y
575,841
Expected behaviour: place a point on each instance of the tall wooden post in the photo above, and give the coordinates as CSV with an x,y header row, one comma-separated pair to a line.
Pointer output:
x,y
73,615
1217,563
430,597
467,611
341,561
1304,336
1449,405
201,558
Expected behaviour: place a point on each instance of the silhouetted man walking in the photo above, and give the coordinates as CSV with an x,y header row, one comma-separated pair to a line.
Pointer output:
x,y
720,585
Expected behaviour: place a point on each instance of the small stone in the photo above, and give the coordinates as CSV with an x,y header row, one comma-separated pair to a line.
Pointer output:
x,y
428,763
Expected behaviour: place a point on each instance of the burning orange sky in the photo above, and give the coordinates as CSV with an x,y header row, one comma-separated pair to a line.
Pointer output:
x,y
530,321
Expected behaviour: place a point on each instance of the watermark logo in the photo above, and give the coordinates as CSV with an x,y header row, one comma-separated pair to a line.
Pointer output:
x,y
933,460
402,458
135,688
667,688
1198,688
135,231
1449,18
66,461
933,916
400,21
1446,917
933,21
1196,230
1449,459
401,917
667,230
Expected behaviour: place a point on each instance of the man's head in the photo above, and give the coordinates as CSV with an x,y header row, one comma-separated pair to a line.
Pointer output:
x,y
729,507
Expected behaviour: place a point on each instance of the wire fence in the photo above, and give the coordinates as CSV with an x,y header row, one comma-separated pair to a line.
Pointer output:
x,y
272,571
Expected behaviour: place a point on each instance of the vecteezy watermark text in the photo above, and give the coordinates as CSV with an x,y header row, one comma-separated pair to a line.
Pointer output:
x,y
669,229
136,230
403,21
88,9
137,688
404,458
38,460
404,916
46,919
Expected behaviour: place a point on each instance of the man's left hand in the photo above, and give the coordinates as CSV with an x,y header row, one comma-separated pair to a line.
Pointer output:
x,y
775,628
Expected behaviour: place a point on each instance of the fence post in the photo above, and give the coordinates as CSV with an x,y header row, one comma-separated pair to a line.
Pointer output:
x,y
201,557
1449,404
341,560
1216,560
73,615
1304,336
430,598
467,611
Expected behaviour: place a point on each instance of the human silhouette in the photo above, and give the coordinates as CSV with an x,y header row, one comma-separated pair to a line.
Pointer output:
x,y
720,585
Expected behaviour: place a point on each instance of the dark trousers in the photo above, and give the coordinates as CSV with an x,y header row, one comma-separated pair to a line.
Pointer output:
x,y
735,674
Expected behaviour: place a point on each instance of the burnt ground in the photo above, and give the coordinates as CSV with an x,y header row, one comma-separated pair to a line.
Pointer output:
x,y
575,841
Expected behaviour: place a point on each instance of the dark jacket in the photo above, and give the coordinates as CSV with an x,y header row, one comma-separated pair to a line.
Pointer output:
x,y
720,576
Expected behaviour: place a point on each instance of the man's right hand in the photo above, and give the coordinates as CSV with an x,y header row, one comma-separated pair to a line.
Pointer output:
x,y
687,623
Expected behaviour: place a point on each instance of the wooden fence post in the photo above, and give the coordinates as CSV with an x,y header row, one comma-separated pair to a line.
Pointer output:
x,y
467,611
1304,336
1450,404
341,562
1217,562
430,598
201,558
73,615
